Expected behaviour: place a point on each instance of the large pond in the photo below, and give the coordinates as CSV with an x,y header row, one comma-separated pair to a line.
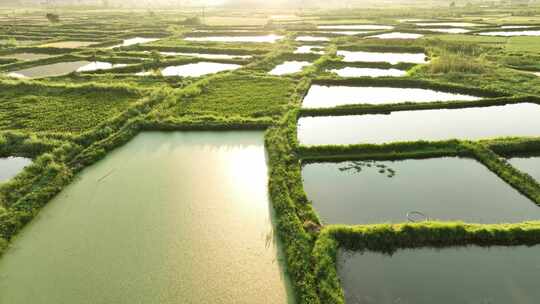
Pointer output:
x,y
355,27
509,34
206,55
368,72
134,41
389,57
69,44
312,39
529,165
27,56
397,35
495,275
469,123
49,70
99,65
452,24
320,96
169,218
267,38
198,69
307,49
364,192
289,67
456,30
11,166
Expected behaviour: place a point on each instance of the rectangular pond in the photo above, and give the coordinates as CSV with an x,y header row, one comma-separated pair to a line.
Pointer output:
x,y
449,188
206,55
355,27
50,70
99,65
179,217
320,96
134,41
527,164
479,275
397,35
289,67
511,33
11,166
266,38
392,58
310,49
27,56
468,123
198,69
368,72
69,44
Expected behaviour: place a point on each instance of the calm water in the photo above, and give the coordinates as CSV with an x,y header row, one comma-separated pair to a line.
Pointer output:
x,y
516,26
331,96
11,166
347,33
355,27
452,24
440,188
473,275
99,65
397,35
69,44
470,123
391,58
449,30
530,165
312,38
49,70
206,56
27,56
134,41
368,72
169,218
267,38
289,67
306,49
198,69
514,33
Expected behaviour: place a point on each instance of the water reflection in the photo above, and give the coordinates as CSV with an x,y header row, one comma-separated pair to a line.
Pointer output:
x,y
198,69
392,58
49,70
11,166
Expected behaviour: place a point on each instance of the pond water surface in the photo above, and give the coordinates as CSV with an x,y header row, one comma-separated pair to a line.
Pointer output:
x,y
289,67
27,56
397,35
11,166
320,96
449,30
312,38
513,33
475,275
452,24
368,72
49,70
355,27
198,69
306,49
267,38
529,165
469,123
206,56
392,191
389,57
179,217
69,44
134,41
99,65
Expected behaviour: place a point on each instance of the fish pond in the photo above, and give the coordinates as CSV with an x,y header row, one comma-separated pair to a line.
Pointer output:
x,y
468,123
198,69
69,44
289,67
206,56
180,217
11,166
527,164
479,275
355,27
449,188
99,65
27,56
392,58
397,35
511,33
368,72
265,38
320,96
50,70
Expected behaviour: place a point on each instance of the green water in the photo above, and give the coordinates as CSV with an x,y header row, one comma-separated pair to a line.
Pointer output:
x,y
50,70
464,275
440,188
178,217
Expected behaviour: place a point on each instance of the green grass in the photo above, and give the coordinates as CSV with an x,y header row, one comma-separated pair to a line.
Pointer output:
x,y
239,95
523,45
38,108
